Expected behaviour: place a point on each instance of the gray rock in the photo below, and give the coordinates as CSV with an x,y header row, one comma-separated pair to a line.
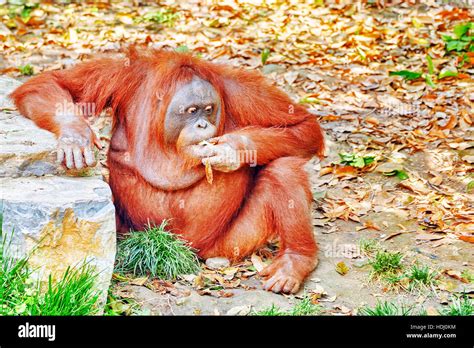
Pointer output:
x,y
7,85
25,149
217,262
60,222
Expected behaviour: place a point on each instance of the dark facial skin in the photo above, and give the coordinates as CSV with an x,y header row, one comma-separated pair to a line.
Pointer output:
x,y
193,114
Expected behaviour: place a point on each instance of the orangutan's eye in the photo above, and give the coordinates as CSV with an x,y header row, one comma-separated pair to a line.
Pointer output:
x,y
208,109
192,110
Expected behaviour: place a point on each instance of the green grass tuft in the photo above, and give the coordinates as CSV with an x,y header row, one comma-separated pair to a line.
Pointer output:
x,y
421,275
155,252
73,294
13,281
272,311
386,263
369,246
303,307
306,307
386,308
14,285
459,307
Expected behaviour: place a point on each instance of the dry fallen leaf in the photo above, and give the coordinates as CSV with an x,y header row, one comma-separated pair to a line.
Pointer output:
x,y
432,311
139,281
469,239
257,262
342,268
429,236
456,275
317,292
239,310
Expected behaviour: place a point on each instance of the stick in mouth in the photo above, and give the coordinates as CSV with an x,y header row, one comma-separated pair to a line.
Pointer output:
x,y
209,175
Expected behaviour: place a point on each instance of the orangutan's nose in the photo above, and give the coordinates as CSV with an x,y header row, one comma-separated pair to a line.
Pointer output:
x,y
201,124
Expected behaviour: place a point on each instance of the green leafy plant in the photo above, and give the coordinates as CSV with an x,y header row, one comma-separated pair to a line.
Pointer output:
x,y
413,75
155,252
464,59
265,55
470,186
26,70
447,73
355,160
22,10
163,16
429,81
462,40
431,69
309,100
401,174
25,13
406,74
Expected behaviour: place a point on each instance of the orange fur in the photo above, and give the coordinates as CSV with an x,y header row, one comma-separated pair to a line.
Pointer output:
x,y
241,210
